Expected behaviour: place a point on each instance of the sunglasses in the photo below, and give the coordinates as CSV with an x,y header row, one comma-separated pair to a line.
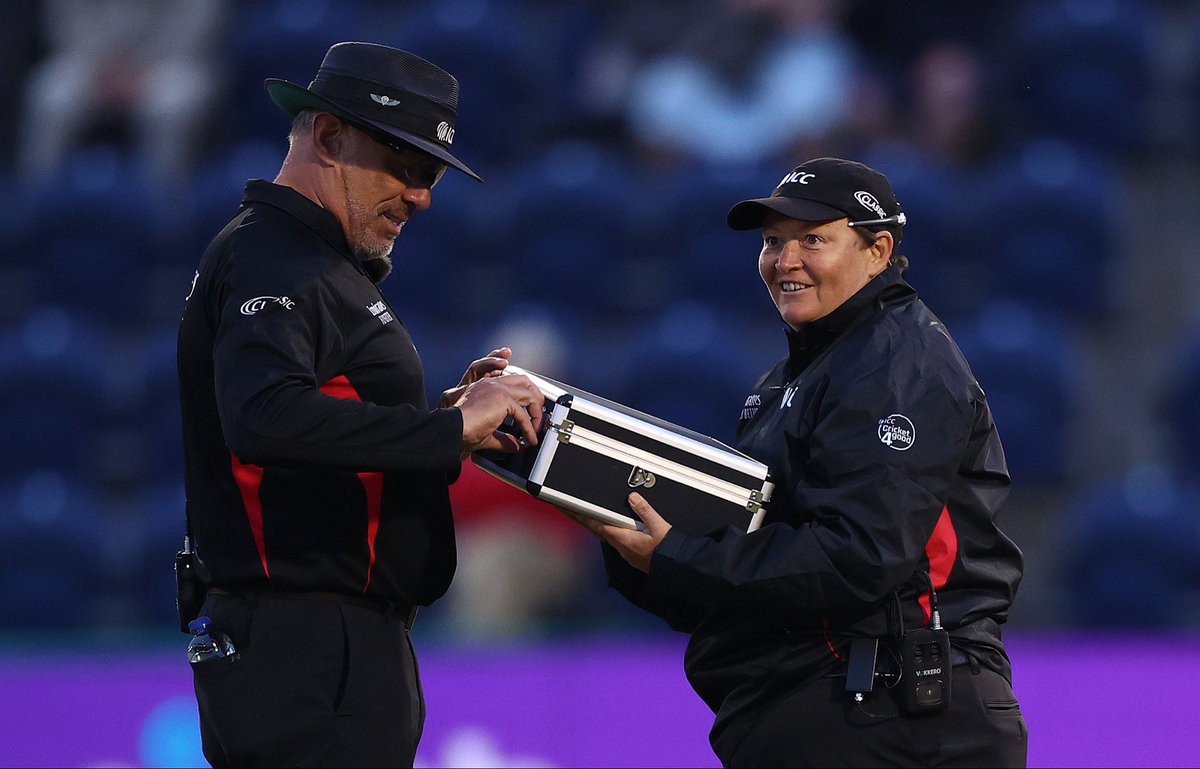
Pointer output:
x,y
417,168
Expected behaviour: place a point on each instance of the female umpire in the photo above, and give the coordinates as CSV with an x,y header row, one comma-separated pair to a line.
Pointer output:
x,y
860,626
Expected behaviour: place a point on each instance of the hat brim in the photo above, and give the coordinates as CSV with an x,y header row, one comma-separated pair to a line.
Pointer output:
x,y
293,99
749,214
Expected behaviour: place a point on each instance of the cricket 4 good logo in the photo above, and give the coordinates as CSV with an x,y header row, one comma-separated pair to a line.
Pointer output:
x,y
897,432
251,306
445,132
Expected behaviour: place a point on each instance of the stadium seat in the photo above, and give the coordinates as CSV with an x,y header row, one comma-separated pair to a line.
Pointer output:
x,y
1174,407
566,237
288,40
485,46
1132,551
52,549
1083,71
1027,361
693,363
157,510
53,372
1050,215
948,263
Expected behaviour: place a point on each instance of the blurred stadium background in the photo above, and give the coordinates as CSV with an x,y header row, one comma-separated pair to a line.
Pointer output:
x,y
1045,151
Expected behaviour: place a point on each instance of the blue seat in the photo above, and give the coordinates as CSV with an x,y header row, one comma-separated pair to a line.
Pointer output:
x,y
1082,71
158,510
95,250
1027,362
944,206
1174,405
1132,556
693,363
18,235
288,40
53,374
567,236
95,273
1052,215
52,534
216,189
485,45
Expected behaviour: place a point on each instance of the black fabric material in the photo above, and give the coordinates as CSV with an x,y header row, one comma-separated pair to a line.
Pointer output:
x,y
312,459
853,517
820,725
405,612
312,684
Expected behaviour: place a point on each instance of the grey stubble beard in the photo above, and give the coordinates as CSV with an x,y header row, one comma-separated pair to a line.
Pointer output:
x,y
377,261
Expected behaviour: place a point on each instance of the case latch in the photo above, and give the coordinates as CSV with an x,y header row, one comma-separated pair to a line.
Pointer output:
x,y
641,478
564,431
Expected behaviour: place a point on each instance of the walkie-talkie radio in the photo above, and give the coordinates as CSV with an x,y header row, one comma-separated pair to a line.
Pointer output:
x,y
925,664
925,670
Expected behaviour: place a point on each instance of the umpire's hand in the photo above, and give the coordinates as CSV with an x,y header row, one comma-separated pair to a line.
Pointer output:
x,y
487,402
635,546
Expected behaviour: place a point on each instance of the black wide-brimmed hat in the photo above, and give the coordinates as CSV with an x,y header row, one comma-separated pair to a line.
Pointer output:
x,y
385,89
824,189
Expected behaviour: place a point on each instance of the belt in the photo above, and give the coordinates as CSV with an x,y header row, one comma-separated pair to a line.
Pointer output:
x,y
957,657
406,613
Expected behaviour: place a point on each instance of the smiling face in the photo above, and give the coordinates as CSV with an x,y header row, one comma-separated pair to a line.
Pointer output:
x,y
811,268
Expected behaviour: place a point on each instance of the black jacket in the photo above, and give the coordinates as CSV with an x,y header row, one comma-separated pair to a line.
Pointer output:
x,y
887,464
312,459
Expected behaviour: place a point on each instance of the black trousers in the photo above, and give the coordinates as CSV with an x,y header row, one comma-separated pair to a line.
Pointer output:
x,y
314,683
821,725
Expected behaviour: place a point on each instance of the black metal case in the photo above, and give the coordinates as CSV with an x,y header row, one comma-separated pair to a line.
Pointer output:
x,y
594,452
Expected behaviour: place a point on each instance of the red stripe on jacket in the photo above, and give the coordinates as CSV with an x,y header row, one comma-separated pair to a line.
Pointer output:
x,y
940,550
249,479
340,387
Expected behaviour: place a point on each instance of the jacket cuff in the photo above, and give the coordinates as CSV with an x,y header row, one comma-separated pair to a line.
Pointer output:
x,y
667,577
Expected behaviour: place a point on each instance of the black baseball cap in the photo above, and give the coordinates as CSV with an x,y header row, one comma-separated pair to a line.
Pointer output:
x,y
385,89
825,189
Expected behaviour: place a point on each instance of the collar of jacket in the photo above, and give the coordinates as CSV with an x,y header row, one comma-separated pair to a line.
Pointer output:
x,y
311,215
809,340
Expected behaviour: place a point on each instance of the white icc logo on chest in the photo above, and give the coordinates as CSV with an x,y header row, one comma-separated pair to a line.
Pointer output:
x,y
251,306
897,432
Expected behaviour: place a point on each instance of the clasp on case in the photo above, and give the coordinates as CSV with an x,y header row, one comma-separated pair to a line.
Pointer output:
x,y
643,478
